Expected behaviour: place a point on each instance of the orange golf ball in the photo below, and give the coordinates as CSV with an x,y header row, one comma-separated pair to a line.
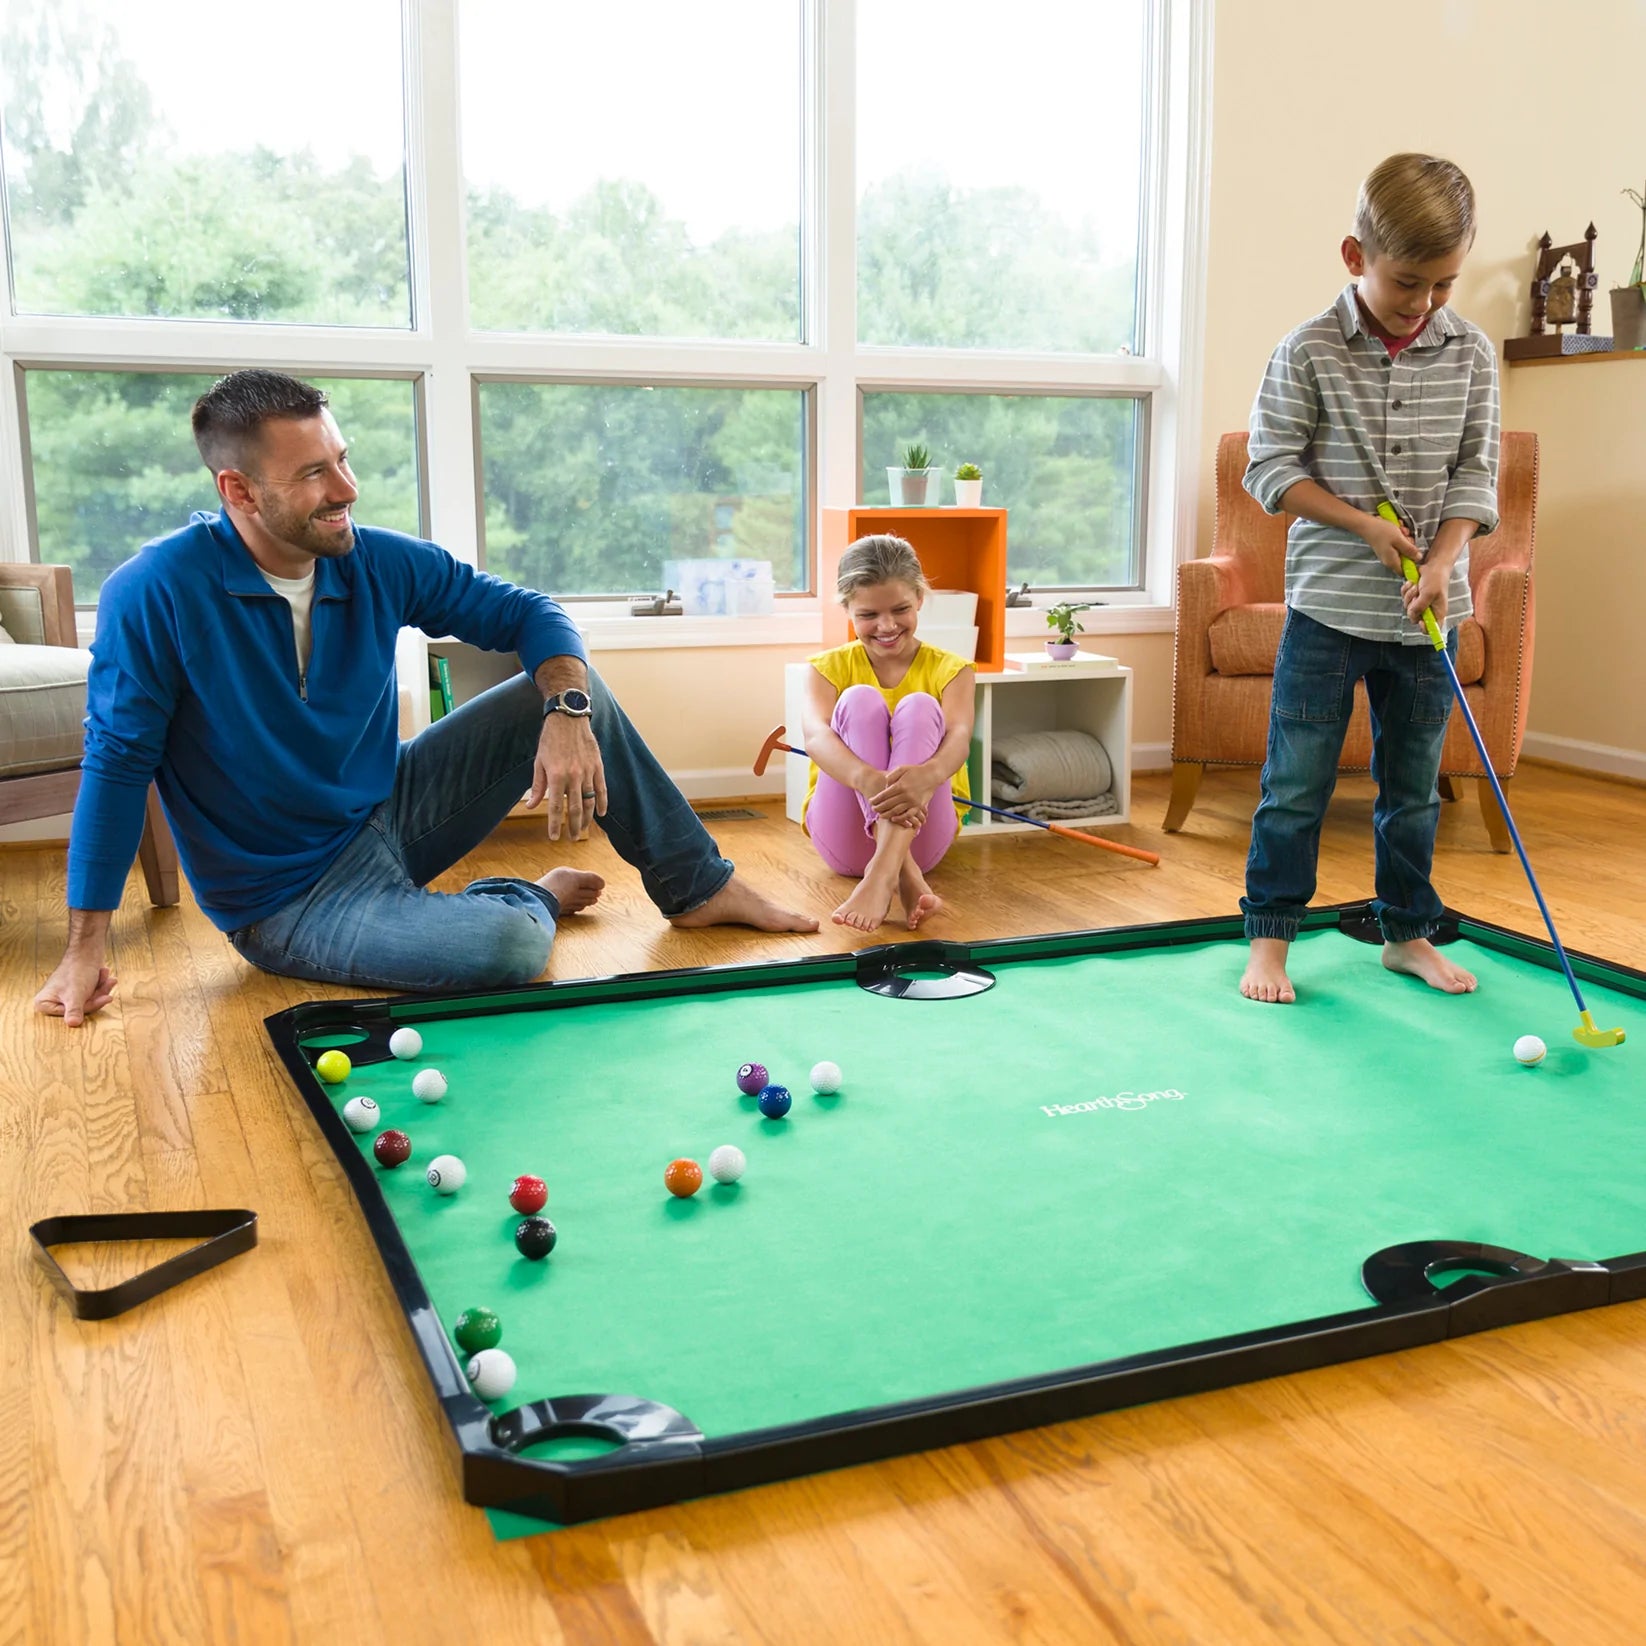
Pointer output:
x,y
683,1178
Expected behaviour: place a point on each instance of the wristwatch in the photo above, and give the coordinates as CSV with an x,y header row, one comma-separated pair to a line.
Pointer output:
x,y
571,701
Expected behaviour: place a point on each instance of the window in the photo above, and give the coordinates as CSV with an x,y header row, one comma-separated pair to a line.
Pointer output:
x,y
598,289
113,463
1065,466
221,163
633,168
591,490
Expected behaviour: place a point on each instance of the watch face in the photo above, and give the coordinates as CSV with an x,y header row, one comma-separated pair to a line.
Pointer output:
x,y
574,701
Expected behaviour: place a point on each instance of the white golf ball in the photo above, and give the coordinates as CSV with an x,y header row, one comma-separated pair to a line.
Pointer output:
x,y
405,1043
446,1174
727,1163
826,1078
491,1374
1530,1050
429,1084
360,1114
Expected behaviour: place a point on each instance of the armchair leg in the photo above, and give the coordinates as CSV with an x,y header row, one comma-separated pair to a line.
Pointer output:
x,y
157,852
1492,814
1450,788
1186,775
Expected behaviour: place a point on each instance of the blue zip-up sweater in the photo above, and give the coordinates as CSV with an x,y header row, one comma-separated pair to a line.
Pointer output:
x,y
265,777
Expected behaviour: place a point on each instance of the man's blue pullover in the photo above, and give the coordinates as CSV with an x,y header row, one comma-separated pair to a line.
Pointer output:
x,y
265,776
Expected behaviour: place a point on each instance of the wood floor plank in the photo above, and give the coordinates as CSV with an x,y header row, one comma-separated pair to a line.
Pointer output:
x,y
257,1456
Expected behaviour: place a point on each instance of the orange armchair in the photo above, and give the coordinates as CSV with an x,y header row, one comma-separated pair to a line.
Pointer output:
x,y
1231,606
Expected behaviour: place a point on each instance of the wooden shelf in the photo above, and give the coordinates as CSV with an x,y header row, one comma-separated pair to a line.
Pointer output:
x,y
1580,359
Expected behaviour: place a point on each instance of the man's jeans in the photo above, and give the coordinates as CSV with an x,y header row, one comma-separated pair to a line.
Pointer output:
x,y
368,920
1410,695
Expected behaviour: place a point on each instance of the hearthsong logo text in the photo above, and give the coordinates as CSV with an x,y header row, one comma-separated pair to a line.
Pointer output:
x,y
1120,1100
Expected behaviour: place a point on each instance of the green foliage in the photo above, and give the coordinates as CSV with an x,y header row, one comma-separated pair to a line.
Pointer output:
x,y
1062,618
968,471
916,457
1639,272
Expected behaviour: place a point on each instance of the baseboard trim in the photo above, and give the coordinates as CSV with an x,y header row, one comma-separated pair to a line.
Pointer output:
x,y
1151,757
730,783
1574,754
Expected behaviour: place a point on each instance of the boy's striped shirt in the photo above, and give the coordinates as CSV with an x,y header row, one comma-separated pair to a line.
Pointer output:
x,y
1420,429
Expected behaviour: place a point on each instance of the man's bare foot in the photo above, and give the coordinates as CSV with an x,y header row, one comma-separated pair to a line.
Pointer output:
x,y
866,909
917,898
739,904
573,889
1265,976
1420,958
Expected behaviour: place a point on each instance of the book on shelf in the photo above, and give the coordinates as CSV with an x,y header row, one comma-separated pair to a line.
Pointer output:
x,y
1025,662
440,686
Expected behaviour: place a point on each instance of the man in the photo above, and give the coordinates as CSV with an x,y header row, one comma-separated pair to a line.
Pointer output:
x,y
246,664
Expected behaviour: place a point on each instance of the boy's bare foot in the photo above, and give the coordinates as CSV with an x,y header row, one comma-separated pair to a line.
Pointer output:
x,y
739,904
573,889
1422,959
917,898
867,907
1265,976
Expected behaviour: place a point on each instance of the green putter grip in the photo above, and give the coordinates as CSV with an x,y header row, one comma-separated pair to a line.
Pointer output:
x,y
1410,569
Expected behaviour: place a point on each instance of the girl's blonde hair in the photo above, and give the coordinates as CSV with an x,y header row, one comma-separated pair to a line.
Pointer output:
x,y
1415,208
878,559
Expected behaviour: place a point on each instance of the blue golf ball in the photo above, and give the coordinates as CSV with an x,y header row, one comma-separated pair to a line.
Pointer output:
x,y
775,1101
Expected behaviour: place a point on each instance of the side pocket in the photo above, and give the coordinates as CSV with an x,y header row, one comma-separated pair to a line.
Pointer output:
x,y
1432,696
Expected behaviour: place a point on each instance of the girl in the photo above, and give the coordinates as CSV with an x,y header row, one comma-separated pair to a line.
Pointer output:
x,y
888,725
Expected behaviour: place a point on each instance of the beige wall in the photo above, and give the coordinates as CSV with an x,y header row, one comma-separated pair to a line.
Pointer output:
x,y
1308,97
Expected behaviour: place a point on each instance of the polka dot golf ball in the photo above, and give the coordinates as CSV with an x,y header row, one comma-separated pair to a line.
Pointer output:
x,y
446,1174
727,1163
1530,1050
491,1374
392,1148
751,1077
429,1084
528,1194
476,1329
775,1101
683,1178
360,1114
534,1238
825,1079
332,1066
405,1043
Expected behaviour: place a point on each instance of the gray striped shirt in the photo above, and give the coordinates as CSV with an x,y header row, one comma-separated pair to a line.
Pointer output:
x,y
1420,429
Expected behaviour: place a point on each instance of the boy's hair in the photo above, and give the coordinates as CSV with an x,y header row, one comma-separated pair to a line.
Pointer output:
x,y
878,559
229,415
1415,208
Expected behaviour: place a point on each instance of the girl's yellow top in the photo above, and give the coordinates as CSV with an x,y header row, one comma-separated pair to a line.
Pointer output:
x,y
930,670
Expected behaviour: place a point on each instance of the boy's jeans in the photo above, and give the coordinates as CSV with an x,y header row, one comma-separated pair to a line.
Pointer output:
x,y
1410,695
369,922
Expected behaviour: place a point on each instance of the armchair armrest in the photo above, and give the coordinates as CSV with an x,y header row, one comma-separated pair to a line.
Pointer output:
x,y
1204,589
53,588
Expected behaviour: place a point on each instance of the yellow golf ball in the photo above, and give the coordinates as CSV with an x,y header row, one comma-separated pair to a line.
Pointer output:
x,y
332,1067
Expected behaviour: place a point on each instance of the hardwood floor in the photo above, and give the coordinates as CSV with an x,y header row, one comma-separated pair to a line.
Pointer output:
x,y
256,1457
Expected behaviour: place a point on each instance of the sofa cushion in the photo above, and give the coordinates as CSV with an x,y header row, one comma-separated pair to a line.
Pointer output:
x,y
1246,639
42,707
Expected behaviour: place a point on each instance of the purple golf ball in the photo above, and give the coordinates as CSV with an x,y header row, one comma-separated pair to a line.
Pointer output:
x,y
751,1077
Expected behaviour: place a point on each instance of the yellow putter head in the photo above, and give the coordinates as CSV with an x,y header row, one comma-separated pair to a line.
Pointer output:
x,y
1586,1034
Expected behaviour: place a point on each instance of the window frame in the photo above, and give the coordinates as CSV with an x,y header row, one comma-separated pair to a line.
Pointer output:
x,y
446,358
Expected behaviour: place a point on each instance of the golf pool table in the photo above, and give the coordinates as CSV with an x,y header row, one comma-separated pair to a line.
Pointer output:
x,y
1061,1175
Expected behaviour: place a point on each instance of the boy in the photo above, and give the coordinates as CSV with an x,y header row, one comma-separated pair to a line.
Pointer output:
x,y
1387,395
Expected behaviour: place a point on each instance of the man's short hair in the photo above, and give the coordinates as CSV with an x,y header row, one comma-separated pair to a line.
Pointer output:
x,y
228,416
1415,208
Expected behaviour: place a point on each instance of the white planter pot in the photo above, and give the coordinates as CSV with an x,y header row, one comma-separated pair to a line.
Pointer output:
x,y
968,494
914,488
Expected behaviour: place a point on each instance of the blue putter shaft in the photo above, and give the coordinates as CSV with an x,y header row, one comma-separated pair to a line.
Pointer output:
x,y
1439,642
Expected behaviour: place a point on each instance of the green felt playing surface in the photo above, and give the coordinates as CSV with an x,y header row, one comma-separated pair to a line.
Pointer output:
x,y
1099,1156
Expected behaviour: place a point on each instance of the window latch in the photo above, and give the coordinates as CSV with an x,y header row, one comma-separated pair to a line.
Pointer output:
x,y
1019,596
657,605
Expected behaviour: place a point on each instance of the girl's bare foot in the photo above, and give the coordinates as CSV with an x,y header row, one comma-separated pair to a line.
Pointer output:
x,y
917,898
573,889
739,904
1420,958
1265,976
867,907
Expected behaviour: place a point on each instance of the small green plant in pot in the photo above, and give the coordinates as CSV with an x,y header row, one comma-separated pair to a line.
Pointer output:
x,y
1062,618
1629,302
968,486
912,485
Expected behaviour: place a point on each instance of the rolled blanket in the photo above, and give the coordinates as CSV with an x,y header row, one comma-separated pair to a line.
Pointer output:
x,y
1060,811
1049,766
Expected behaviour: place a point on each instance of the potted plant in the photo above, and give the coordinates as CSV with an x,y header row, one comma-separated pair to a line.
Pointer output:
x,y
912,485
968,486
1062,618
1629,302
